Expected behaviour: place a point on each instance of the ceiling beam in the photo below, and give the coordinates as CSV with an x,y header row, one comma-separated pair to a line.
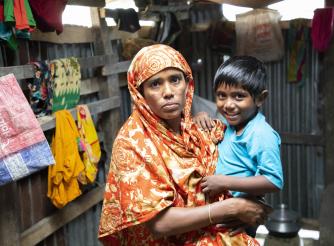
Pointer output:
x,y
247,3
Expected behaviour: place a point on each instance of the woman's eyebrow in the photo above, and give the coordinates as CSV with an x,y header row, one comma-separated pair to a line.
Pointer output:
x,y
151,80
176,74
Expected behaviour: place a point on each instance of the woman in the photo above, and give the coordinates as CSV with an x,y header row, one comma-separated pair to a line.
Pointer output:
x,y
153,194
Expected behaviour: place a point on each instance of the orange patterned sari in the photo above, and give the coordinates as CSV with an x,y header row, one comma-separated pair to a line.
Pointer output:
x,y
152,168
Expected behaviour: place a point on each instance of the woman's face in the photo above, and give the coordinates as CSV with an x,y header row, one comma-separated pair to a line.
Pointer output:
x,y
165,94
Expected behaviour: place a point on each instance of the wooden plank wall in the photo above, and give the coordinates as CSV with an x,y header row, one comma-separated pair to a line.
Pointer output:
x,y
27,215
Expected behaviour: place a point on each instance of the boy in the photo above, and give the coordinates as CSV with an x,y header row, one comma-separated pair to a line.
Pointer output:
x,y
249,156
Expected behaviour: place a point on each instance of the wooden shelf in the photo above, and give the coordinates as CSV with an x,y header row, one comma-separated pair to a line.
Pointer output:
x,y
247,3
48,122
27,71
120,67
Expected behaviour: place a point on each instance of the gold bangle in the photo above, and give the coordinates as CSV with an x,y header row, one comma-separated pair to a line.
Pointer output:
x,y
210,219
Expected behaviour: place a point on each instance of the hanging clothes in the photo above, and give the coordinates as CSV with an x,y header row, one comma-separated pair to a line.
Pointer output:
x,y
40,89
91,151
63,184
322,28
65,82
127,20
169,28
48,14
16,21
6,34
19,13
23,147
298,37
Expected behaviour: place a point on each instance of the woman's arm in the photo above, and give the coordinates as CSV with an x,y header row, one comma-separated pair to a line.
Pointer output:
x,y
177,220
255,185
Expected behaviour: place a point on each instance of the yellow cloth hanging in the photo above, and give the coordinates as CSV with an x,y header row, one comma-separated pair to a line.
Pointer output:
x,y
63,185
91,146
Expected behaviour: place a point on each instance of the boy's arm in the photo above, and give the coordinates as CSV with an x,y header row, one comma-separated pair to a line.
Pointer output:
x,y
255,185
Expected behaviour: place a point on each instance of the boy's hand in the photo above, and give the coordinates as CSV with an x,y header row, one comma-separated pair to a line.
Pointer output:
x,y
203,120
213,185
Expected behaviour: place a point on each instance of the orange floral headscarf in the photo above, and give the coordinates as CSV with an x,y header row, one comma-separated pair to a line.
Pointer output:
x,y
150,61
152,168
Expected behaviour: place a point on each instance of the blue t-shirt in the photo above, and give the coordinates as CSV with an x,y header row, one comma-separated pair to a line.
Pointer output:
x,y
256,151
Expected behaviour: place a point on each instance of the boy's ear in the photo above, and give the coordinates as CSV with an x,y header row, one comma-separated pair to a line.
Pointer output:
x,y
261,98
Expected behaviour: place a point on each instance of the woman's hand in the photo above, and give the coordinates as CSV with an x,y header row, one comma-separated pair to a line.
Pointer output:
x,y
240,211
251,211
203,120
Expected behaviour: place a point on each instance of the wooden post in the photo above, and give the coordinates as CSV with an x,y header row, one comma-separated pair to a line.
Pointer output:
x,y
327,106
109,85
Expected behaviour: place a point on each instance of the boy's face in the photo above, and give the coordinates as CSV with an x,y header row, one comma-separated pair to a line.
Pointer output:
x,y
237,105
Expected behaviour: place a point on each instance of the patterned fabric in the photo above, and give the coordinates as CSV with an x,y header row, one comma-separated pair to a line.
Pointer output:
x,y
298,38
40,89
63,185
19,127
65,75
25,162
152,169
90,146
23,147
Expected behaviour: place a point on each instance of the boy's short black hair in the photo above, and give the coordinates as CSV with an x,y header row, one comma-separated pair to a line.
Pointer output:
x,y
245,71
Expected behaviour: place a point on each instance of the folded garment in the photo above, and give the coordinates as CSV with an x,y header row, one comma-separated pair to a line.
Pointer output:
x,y
25,162
19,127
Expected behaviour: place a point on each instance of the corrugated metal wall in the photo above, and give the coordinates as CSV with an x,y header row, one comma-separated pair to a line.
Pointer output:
x,y
289,108
33,189
293,108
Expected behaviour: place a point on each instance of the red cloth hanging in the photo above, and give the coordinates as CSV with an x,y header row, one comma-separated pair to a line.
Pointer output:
x,y
48,14
322,28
